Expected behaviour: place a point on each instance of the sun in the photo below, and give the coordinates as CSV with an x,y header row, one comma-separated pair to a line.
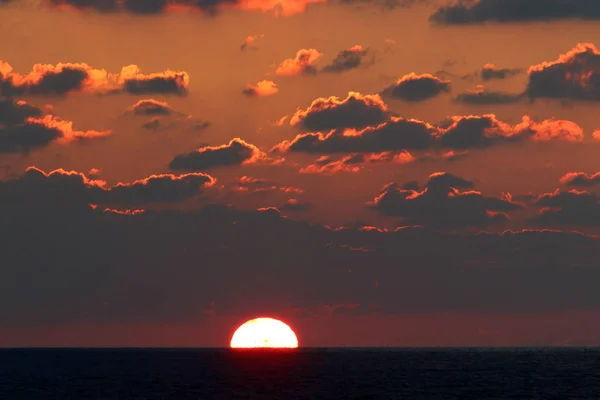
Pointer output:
x,y
264,333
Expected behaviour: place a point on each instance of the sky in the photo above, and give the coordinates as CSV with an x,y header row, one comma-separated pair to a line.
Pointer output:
x,y
372,172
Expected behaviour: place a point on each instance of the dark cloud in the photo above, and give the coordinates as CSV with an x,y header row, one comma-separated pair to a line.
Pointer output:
x,y
459,132
414,87
574,75
442,204
571,208
490,71
236,152
479,11
355,111
24,128
61,188
64,78
347,59
481,96
68,263
580,179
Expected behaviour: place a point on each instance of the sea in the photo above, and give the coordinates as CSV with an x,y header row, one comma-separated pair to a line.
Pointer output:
x,y
305,373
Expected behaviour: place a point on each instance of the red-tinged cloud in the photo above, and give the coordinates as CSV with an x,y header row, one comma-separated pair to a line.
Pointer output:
x,y
484,97
294,205
568,208
580,179
250,42
480,11
327,165
457,133
491,71
24,128
151,107
236,152
414,87
261,88
64,78
441,203
574,75
355,111
279,7
259,185
62,188
347,59
304,63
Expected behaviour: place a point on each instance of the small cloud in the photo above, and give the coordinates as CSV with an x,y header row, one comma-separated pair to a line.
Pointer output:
x,y
304,63
261,88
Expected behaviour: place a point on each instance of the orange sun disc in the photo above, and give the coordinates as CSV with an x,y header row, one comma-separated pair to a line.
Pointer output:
x,y
264,333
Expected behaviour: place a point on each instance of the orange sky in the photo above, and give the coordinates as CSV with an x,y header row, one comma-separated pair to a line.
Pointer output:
x,y
252,72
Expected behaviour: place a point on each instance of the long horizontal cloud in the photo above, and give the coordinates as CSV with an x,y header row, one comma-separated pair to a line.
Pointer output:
x,y
48,189
355,111
459,132
64,78
491,71
441,203
580,179
355,162
286,7
480,11
236,152
24,128
482,96
414,87
60,277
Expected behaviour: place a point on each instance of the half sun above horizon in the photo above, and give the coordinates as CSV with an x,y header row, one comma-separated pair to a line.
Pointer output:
x,y
264,333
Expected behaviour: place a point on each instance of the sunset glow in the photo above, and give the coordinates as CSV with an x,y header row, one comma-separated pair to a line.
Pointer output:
x,y
264,333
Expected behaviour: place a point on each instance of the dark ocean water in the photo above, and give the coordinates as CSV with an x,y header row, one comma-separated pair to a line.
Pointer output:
x,y
300,374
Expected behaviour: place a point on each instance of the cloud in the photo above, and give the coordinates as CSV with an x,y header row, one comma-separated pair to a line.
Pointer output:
x,y
293,205
347,59
479,11
145,7
580,179
458,133
355,111
259,185
250,42
262,88
62,188
414,87
304,63
355,162
570,208
574,75
64,78
481,96
490,71
236,152
151,107
24,128
442,204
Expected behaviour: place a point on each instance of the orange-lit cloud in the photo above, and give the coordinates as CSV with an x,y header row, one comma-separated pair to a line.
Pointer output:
x,y
580,179
347,59
355,162
236,152
262,88
441,203
574,75
415,87
150,107
355,111
458,133
64,78
258,185
303,64
250,42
